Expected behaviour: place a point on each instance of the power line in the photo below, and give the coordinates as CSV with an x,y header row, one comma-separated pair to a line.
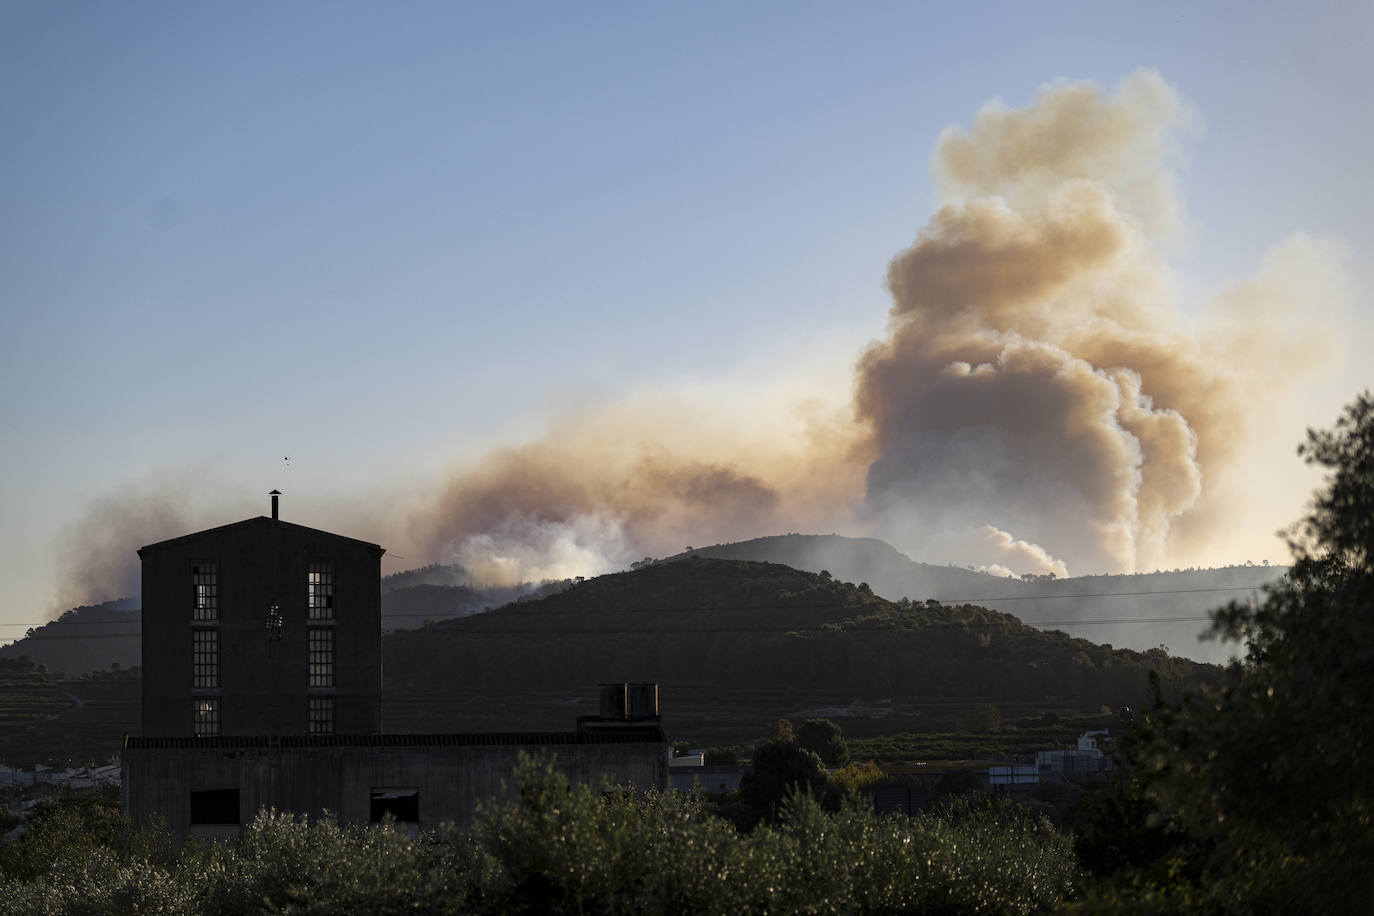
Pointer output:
x,y
799,628
1091,623
1171,591
512,608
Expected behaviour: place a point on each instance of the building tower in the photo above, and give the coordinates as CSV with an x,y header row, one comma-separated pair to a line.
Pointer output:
x,y
261,628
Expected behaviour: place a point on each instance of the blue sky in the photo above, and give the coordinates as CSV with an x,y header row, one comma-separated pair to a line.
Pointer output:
x,y
379,238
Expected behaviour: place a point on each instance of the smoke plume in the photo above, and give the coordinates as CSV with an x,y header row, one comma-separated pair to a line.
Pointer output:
x,y
1038,375
98,551
1040,403
651,476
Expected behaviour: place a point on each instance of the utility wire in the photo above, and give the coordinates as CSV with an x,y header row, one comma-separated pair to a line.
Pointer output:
x,y
512,608
1171,591
799,628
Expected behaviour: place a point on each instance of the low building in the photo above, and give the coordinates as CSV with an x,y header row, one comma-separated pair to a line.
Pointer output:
x,y
1015,776
1085,760
212,787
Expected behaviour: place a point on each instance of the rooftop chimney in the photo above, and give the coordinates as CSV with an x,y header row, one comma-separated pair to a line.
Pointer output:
x,y
274,494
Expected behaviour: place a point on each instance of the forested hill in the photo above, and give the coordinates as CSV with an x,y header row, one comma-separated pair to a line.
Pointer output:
x,y
88,638
728,639
891,573
1123,610
409,606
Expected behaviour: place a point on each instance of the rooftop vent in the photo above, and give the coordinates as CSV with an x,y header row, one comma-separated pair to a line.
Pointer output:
x,y
274,494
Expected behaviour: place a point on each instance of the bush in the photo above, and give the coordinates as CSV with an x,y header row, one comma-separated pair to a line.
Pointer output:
x,y
68,828
824,738
984,718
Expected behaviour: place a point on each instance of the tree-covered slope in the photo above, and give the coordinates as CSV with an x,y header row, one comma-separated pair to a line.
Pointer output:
x,y
732,640
89,638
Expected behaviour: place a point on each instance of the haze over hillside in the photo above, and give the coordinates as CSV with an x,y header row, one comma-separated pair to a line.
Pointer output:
x,y
1141,602
88,638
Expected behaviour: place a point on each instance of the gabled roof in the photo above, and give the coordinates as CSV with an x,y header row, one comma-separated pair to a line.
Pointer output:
x,y
262,522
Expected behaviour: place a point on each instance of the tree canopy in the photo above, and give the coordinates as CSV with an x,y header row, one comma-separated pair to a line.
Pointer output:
x,y
1269,772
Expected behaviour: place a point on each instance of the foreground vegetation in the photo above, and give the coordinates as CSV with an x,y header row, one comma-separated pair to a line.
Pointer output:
x,y
552,849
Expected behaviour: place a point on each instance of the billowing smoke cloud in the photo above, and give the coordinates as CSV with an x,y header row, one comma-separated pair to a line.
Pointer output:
x,y
1021,554
651,476
1041,403
1038,376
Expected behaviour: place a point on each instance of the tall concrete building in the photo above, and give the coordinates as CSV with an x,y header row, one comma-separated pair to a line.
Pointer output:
x,y
262,627
262,687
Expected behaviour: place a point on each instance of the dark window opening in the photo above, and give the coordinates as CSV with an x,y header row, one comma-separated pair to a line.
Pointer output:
x,y
402,804
215,806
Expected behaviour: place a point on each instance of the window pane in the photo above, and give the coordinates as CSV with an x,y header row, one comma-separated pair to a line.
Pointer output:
x,y
205,658
321,640
205,588
206,717
321,715
319,591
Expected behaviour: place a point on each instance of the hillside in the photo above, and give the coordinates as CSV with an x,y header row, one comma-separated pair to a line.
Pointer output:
x,y
891,573
405,607
736,644
88,638
1086,606
46,718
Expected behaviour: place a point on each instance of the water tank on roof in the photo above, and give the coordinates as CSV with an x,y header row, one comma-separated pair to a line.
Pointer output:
x,y
643,701
615,701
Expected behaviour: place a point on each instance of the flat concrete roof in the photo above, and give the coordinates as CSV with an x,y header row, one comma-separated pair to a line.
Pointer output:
x,y
621,734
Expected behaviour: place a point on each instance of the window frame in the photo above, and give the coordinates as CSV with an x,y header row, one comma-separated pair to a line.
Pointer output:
x,y
204,658
320,715
205,717
205,591
319,591
320,655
